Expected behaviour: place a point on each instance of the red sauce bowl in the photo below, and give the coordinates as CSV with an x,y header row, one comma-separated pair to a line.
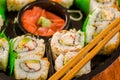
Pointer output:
x,y
28,18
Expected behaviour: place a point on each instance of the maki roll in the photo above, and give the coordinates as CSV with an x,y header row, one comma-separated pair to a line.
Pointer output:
x,y
66,41
16,5
31,67
65,45
63,59
97,21
4,53
28,44
23,46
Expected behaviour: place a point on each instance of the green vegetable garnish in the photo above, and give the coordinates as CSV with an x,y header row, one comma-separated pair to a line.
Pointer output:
x,y
2,35
13,56
83,5
2,8
119,2
44,22
84,28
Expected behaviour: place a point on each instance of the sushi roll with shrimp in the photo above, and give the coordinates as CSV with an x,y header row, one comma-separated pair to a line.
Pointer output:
x,y
31,67
63,59
4,53
29,44
98,21
16,5
66,41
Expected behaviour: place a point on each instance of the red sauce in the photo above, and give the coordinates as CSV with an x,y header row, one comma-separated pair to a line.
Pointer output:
x,y
30,19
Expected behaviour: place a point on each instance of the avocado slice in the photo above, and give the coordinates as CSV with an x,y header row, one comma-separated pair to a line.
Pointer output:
x,y
23,41
44,22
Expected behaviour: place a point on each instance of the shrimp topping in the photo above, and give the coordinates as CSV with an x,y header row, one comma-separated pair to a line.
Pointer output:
x,y
30,65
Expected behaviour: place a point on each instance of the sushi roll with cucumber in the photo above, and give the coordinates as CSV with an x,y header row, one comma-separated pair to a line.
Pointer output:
x,y
29,44
98,21
31,67
63,59
66,41
4,51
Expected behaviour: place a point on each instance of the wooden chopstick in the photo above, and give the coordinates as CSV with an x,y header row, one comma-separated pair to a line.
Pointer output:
x,y
91,54
83,51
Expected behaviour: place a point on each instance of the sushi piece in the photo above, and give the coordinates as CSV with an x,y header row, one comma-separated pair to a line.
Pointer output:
x,y
16,5
66,41
97,21
31,67
63,59
65,3
4,51
28,44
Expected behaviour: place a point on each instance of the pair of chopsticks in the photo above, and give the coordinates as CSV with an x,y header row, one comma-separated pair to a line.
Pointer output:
x,y
75,64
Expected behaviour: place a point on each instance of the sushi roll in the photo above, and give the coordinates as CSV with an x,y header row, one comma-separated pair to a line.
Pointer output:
x,y
97,21
4,53
31,67
88,6
63,59
66,41
28,44
16,5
